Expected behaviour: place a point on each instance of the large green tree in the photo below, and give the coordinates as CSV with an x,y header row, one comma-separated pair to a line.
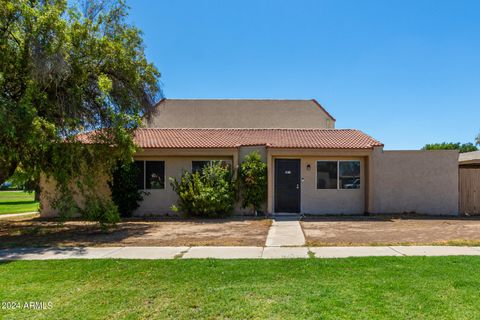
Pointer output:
x,y
66,68
461,147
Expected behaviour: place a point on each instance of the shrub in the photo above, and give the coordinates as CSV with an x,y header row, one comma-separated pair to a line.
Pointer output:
x,y
209,193
253,181
103,211
123,186
65,204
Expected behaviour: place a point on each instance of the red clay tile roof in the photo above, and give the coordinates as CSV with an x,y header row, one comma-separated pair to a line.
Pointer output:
x,y
273,138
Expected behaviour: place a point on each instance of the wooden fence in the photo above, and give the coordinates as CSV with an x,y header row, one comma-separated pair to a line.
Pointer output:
x,y
469,190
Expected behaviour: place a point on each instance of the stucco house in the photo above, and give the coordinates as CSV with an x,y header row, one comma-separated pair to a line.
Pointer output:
x,y
313,168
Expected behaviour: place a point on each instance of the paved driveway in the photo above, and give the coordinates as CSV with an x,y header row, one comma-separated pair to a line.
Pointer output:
x,y
335,231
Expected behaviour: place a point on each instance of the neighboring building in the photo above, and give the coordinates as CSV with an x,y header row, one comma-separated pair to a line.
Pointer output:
x,y
234,113
312,167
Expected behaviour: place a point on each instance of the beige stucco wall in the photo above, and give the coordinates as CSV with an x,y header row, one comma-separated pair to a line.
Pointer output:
x,y
424,182
181,113
159,201
330,201
313,200
48,193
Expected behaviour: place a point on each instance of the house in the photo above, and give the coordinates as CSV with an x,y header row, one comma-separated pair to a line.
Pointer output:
x,y
313,168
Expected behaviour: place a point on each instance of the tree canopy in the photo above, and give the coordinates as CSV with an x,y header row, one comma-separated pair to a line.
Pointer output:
x,y
66,68
461,147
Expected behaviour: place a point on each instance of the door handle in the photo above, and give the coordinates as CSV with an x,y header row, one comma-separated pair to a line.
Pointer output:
x,y
298,186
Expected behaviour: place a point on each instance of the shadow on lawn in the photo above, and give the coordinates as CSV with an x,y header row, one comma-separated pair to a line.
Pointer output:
x,y
13,254
49,233
18,202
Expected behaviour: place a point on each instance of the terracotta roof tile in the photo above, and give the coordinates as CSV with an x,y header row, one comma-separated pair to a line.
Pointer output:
x,y
274,138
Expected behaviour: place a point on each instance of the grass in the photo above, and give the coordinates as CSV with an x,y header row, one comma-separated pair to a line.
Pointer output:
x,y
17,202
453,242
354,288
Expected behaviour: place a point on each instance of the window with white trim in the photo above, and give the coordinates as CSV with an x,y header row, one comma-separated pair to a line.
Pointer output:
x,y
338,174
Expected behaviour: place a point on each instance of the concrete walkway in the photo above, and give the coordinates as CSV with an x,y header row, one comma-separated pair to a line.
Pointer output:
x,y
285,232
229,252
17,215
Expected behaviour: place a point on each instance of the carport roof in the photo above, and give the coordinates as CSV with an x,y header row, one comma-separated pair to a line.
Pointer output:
x,y
469,157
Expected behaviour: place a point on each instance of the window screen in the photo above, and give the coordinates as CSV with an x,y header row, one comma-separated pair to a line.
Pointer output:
x,y
349,177
155,175
326,174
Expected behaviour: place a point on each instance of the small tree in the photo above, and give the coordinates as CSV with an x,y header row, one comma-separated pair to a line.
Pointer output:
x,y
209,193
253,180
125,193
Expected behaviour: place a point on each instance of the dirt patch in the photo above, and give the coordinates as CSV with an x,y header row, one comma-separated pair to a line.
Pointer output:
x,y
225,232
351,231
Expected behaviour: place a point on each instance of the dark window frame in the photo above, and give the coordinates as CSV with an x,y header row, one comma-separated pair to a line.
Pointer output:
x,y
141,167
144,171
316,174
339,187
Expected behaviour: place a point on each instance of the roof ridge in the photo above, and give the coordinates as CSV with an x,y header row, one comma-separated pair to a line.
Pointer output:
x,y
257,129
233,99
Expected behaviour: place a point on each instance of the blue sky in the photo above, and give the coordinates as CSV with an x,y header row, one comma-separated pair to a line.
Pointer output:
x,y
405,72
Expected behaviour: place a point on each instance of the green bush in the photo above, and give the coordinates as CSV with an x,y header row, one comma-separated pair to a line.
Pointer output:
x,y
253,181
65,204
103,211
123,185
209,193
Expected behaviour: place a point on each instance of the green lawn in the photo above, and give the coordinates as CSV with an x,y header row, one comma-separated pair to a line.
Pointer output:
x,y
355,288
17,202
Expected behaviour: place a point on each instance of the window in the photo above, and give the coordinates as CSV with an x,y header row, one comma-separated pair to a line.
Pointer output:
x,y
327,175
155,175
198,165
338,174
349,174
140,174
151,174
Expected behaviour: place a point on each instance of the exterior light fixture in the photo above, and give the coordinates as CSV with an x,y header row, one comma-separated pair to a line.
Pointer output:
x,y
309,167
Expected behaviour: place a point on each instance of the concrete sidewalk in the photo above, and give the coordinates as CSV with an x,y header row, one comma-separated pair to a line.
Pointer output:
x,y
229,252
18,215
